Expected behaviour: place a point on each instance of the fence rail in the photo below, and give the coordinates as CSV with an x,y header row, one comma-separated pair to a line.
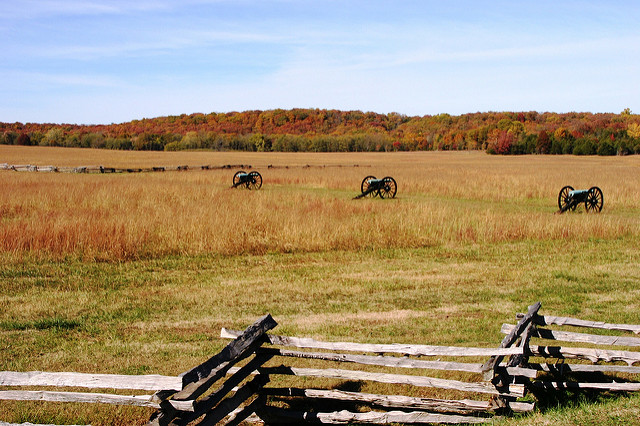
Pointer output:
x,y
244,381
111,381
184,167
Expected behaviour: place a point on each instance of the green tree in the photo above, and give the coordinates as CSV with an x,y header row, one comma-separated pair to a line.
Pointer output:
x,y
93,140
259,142
584,147
72,141
191,140
53,137
605,148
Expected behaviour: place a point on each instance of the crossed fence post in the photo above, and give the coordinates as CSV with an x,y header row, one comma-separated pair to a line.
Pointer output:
x,y
201,379
522,331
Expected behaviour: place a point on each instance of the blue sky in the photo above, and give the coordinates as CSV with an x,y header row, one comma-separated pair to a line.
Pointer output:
x,y
101,62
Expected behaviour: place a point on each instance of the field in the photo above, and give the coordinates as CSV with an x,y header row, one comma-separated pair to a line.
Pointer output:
x,y
136,273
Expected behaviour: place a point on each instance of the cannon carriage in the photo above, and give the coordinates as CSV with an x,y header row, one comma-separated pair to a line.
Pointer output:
x,y
569,199
251,180
372,187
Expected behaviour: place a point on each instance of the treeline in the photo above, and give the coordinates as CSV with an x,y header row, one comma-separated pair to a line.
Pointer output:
x,y
320,130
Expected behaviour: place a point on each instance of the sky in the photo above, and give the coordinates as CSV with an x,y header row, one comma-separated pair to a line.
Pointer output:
x,y
103,62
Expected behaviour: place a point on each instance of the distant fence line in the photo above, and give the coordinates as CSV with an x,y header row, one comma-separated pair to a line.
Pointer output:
x,y
103,169
217,392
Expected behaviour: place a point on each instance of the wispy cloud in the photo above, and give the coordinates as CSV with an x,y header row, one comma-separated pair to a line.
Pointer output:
x,y
414,56
145,43
30,9
36,80
563,51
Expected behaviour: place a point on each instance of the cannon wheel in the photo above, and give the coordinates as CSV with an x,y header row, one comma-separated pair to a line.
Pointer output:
x,y
255,180
594,200
364,186
389,188
563,198
236,178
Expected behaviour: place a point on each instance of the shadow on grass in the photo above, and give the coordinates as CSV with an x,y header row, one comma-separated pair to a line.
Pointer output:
x,y
55,323
570,396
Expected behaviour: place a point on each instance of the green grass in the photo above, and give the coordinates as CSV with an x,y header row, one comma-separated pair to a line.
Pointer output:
x,y
163,316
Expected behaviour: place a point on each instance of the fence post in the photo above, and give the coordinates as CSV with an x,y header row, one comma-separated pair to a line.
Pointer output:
x,y
511,338
501,380
199,379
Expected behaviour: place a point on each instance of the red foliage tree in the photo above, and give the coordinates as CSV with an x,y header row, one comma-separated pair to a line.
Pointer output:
x,y
504,143
543,146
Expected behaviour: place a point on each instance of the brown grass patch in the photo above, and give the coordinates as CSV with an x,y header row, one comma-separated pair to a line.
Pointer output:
x,y
443,199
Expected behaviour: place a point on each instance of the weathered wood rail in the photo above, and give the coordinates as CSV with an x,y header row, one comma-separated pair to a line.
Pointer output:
x,y
581,368
255,378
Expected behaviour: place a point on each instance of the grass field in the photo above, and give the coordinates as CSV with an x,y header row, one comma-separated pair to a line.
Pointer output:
x,y
136,273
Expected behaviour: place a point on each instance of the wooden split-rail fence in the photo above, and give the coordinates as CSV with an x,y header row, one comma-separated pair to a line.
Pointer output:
x,y
185,167
103,169
257,377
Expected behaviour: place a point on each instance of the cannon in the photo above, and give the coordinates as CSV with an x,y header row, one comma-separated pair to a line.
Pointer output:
x,y
569,198
371,187
251,180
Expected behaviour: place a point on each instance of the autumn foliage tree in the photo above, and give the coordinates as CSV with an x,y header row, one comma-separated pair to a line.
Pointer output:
x,y
299,130
543,146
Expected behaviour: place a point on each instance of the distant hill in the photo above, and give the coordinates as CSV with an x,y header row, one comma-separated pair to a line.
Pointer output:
x,y
322,130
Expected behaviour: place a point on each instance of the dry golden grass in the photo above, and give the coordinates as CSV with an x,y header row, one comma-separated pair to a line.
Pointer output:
x,y
470,240
443,198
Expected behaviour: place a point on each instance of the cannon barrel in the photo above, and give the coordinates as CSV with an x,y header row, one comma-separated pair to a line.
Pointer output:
x,y
578,193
